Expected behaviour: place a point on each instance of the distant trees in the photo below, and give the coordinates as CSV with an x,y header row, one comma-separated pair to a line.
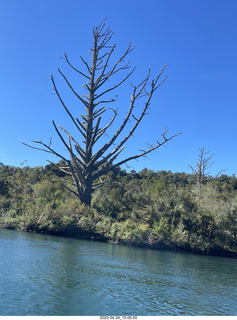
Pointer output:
x,y
3,188
85,165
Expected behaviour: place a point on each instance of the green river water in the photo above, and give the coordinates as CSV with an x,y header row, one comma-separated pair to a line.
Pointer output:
x,y
50,275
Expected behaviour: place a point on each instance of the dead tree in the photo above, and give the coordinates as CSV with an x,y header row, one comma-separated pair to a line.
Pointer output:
x,y
205,161
86,166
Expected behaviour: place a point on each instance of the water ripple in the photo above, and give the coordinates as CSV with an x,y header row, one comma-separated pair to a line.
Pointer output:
x,y
43,275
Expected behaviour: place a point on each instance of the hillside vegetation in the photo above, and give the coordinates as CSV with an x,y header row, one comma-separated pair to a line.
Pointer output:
x,y
162,210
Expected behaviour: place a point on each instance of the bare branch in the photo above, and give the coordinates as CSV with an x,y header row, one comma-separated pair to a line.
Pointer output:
x,y
115,86
86,64
105,65
71,190
82,126
99,112
68,112
107,145
77,144
102,131
146,152
104,101
76,94
66,58
50,150
134,97
99,81
63,169
95,132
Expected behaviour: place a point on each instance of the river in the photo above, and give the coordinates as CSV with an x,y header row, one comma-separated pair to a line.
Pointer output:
x,y
50,275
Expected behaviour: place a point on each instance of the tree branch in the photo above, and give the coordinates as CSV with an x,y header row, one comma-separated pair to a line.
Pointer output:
x,y
66,58
76,94
146,152
68,112
115,86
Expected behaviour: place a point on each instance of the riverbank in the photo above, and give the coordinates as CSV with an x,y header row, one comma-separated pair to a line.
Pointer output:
x,y
157,210
155,245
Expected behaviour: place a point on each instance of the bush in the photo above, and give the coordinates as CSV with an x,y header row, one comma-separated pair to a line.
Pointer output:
x,y
162,228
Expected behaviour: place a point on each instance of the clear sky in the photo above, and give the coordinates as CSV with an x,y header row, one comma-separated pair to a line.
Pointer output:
x,y
196,39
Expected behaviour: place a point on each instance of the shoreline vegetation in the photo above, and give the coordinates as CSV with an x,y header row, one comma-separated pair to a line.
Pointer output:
x,y
157,210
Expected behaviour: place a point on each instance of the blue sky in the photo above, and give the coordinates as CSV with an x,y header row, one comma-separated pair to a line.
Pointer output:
x,y
196,39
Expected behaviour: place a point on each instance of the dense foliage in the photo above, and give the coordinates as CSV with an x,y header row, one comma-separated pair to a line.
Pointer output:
x,y
152,209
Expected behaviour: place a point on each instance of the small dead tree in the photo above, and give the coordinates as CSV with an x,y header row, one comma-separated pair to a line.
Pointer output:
x,y
86,166
205,161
